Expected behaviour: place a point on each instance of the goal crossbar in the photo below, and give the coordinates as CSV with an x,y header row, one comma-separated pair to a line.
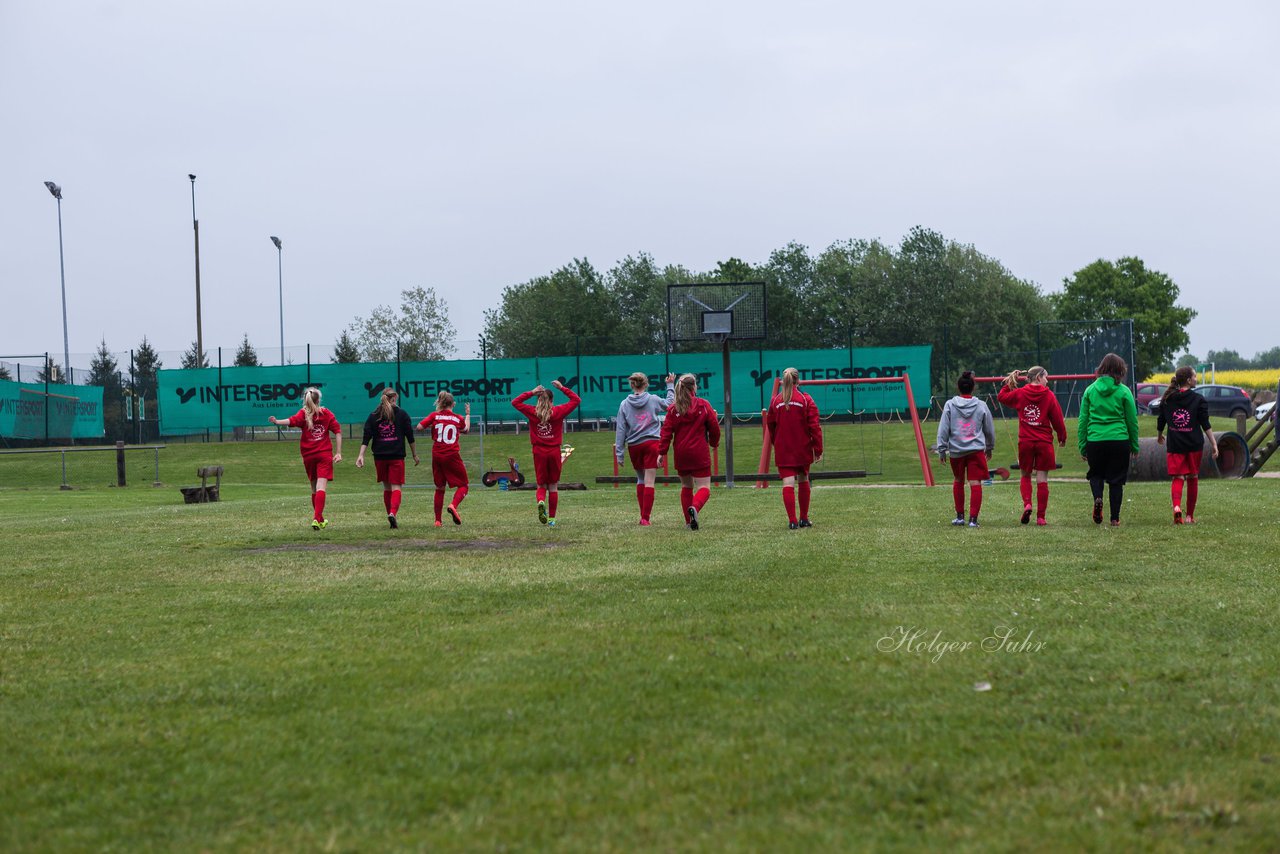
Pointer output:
x,y
925,468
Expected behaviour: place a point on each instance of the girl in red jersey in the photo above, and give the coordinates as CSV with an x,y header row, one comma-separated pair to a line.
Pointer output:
x,y
447,468
1039,418
546,430
388,428
796,433
1186,414
694,428
318,453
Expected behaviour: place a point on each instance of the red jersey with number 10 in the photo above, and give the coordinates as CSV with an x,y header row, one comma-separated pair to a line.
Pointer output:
x,y
445,428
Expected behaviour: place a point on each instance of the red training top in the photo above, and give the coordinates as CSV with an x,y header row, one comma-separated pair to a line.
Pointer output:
x,y
547,436
1039,415
691,432
446,427
795,430
316,442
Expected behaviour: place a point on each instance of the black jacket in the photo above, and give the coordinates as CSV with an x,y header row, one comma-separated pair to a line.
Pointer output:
x,y
386,440
1186,415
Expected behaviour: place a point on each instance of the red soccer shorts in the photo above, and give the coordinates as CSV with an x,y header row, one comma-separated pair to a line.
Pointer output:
x,y
1036,456
448,471
970,467
1180,464
644,455
702,472
546,465
793,471
318,467
389,471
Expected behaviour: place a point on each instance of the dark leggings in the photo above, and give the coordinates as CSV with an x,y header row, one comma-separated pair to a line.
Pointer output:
x,y
1109,464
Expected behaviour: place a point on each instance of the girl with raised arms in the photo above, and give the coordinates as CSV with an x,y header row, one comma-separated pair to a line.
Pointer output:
x,y
1039,419
546,431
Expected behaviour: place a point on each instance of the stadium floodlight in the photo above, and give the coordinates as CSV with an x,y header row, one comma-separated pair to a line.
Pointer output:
x,y
280,273
195,225
56,192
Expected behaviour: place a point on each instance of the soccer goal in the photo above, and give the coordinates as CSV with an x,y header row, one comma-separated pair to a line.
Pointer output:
x,y
856,416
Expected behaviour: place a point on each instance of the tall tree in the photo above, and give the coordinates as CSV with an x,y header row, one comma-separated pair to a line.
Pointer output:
x,y
246,356
193,358
788,284
345,351
4,373
146,362
1106,290
639,290
421,327
569,311
104,371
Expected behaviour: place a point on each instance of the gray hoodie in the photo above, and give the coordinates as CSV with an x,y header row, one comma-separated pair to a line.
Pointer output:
x,y
638,418
965,427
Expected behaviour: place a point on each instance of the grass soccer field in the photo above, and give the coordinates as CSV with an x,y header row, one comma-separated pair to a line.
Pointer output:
x,y
221,677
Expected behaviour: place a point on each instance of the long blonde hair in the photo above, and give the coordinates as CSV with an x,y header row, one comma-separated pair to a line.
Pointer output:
x,y
686,392
790,379
543,407
387,408
311,404
444,401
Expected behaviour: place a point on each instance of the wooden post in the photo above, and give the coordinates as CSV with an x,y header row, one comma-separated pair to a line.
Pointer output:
x,y
119,463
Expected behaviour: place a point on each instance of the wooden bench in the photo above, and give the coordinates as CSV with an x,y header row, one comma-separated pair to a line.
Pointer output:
x,y
204,493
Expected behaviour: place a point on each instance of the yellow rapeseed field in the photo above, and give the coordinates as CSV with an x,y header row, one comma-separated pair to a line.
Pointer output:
x,y
1251,380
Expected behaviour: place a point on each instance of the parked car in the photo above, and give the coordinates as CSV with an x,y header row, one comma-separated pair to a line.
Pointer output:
x,y
1264,411
1147,392
1224,401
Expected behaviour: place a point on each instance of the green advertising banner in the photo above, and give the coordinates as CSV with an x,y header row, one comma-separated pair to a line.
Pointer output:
x,y
56,411
213,399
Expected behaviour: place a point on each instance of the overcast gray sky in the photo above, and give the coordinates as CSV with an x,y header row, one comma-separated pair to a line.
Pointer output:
x,y
471,146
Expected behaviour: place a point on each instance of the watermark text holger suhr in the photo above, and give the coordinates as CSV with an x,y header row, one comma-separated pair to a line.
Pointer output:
x,y
933,645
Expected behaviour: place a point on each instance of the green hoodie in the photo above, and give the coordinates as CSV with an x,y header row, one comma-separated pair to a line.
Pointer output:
x,y
1107,413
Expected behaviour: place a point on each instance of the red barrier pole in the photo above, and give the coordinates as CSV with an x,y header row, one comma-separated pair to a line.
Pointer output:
x,y
615,469
1051,377
767,446
915,424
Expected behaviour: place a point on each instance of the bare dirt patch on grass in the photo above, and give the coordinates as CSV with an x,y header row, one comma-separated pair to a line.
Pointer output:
x,y
479,545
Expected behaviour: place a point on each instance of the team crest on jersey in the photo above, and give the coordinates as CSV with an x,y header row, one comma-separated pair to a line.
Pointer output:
x,y
1181,419
1031,413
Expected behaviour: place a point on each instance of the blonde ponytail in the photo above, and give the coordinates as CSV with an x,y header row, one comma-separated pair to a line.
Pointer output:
x,y
387,408
311,405
790,379
686,392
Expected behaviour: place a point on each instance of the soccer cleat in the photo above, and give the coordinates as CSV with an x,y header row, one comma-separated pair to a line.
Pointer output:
x,y
315,524
439,524
1190,520
542,512
1097,511
973,521
644,523
1177,515
805,523
551,522
693,518
959,520
391,520
1026,514
324,523
453,511
1115,523
793,526
1040,520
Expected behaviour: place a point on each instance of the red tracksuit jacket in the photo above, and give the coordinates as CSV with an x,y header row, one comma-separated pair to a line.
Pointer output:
x,y
691,433
795,430
1039,415
546,437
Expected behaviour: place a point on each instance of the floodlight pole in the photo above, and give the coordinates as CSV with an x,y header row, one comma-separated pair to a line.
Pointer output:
x,y
56,191
280,272
195,224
